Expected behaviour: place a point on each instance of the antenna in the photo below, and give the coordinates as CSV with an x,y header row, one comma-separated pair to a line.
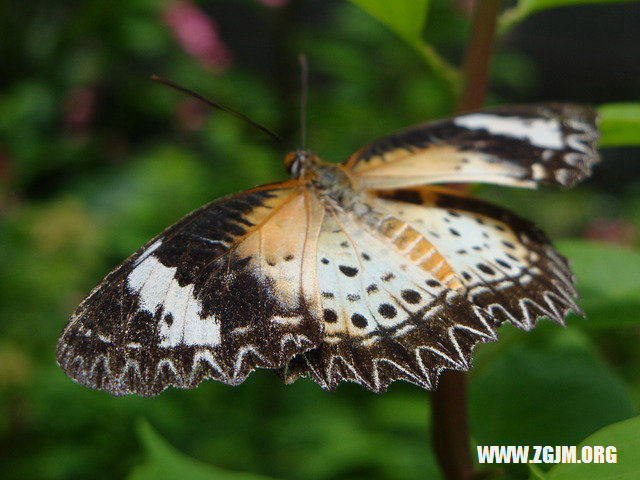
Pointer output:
x,y
239,115
304,87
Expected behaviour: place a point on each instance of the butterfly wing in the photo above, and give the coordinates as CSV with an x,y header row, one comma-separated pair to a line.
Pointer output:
x,y
505,263
228,288
518,146
386,315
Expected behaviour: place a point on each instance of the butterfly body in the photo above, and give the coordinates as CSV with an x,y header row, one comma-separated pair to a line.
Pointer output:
x,y
361,271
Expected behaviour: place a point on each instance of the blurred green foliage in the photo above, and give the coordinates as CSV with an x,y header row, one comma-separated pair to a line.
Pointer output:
x,y
405,17
95,159
619,124
625,436
524,8
163,461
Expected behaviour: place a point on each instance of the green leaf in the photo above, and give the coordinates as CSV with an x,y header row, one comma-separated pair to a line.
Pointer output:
x,y
164,461
619,124
608,269
536,473
524,8
624,437
547,388
405,17
607,281
622,312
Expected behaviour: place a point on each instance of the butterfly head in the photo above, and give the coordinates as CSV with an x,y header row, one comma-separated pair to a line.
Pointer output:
x,y
298,162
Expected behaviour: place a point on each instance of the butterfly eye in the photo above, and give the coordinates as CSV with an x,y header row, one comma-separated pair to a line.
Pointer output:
x,y
292,162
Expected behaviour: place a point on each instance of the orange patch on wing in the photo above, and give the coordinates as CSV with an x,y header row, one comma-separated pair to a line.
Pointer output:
x,y
420,251
410,159
435,163
407,238
391,227
281,247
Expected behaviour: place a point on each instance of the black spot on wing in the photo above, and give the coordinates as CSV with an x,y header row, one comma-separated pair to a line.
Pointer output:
x,y
502,263
486,269
387,311
411,296
359,320
348,271
330,315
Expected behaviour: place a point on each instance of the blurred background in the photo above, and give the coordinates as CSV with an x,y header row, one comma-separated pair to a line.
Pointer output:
x,y
95,159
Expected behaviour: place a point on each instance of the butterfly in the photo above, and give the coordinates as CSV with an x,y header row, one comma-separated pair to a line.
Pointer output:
x,y
365,271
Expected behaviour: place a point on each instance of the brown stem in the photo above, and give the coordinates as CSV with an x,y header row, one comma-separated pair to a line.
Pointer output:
x,y
478,55
450,427
449,422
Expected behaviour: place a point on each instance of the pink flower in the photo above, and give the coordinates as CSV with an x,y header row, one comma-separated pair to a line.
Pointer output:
x,y
197,34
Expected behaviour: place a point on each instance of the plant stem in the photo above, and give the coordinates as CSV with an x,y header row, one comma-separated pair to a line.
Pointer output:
x,y
450,426
450,423
478,55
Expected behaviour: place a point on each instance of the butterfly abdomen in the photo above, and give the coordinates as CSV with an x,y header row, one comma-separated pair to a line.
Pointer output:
x,y
405,240
411,244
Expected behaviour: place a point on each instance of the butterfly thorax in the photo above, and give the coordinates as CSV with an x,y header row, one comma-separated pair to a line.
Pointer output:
x,y
329,181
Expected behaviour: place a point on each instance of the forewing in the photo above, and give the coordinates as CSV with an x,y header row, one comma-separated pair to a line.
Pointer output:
x,y
519,146
506,264
227,289
385,317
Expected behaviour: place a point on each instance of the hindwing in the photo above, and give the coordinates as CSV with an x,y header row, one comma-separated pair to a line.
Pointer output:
x,y
507,265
